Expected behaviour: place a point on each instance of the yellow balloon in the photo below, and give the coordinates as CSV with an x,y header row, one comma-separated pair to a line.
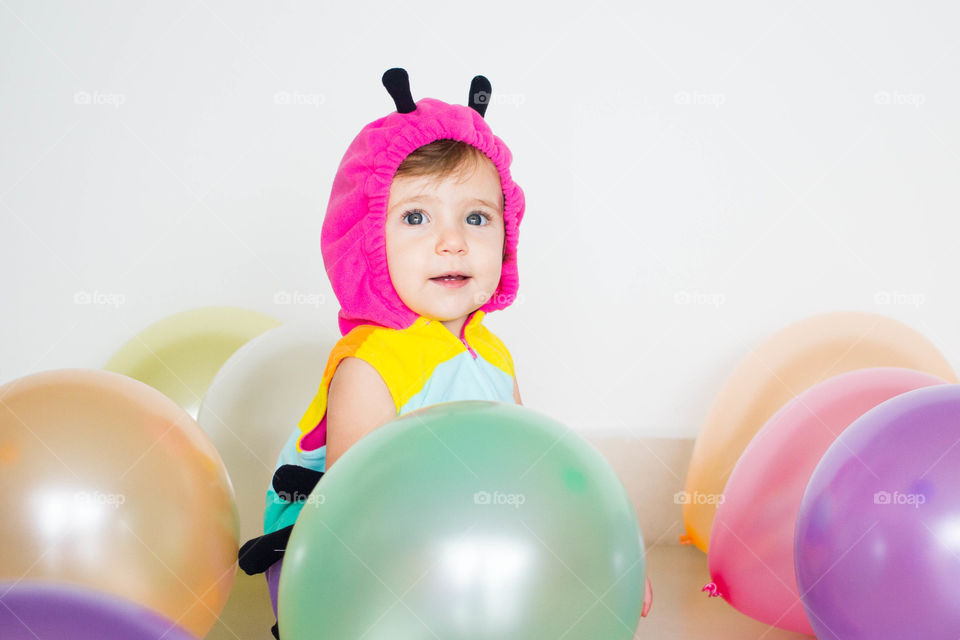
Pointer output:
x,y
181,354
787,363
109,484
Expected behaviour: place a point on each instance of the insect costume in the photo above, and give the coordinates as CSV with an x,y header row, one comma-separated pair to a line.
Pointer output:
x,y
420,360
422,365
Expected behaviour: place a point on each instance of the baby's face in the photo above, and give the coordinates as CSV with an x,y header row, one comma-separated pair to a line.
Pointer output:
x,y
433,228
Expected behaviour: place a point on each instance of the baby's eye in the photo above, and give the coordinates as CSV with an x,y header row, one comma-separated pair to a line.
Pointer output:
x,y
415,212
480,215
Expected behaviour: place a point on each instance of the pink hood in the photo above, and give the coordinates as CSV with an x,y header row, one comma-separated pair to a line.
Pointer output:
x,y
353,240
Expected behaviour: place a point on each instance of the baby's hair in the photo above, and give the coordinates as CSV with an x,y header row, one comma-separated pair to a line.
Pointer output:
x,y
440,159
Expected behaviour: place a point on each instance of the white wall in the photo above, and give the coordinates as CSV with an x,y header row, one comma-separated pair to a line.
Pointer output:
x,y
698,174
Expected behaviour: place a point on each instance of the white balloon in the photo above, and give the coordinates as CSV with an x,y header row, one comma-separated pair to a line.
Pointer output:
x,y
256,401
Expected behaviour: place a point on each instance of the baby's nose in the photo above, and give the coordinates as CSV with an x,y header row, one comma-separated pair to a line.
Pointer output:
x,y
451,241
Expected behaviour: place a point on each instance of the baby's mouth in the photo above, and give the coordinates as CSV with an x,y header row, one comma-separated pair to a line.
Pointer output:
x,y
451,277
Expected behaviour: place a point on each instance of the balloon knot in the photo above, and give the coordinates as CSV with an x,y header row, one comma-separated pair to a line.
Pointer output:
x,y
711,589
685,538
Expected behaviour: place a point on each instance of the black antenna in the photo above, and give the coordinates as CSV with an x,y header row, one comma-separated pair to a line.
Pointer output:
x,y
397,84
479,97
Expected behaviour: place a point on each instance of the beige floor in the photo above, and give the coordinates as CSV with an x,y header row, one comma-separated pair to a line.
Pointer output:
x,y
248,615
680,610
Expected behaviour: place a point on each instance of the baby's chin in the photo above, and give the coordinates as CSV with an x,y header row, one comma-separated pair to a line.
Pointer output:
x,y
446,311
443,313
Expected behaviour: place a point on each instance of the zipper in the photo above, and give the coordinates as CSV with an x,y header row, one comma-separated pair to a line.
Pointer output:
x,y
463,338
463,332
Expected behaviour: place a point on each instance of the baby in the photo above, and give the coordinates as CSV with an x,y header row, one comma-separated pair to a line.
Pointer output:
x,y
419,242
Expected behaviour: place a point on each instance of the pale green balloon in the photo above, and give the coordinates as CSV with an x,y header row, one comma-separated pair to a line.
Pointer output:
x,y
468,519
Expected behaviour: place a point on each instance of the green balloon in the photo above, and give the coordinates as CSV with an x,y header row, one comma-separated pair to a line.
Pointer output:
x,y
465,519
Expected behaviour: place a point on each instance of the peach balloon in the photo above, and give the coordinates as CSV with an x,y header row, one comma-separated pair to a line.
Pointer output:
x,y
751,554
792,360
109,484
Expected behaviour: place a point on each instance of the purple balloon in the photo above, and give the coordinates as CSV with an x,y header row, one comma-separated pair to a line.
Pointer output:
x,y
273,582
877,545
54,611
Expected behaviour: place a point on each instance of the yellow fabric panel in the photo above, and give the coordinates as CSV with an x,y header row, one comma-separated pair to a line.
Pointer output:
x,y
345,347
489,346
405,359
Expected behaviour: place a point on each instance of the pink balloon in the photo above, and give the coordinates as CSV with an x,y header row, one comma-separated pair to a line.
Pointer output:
x,y
751,554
